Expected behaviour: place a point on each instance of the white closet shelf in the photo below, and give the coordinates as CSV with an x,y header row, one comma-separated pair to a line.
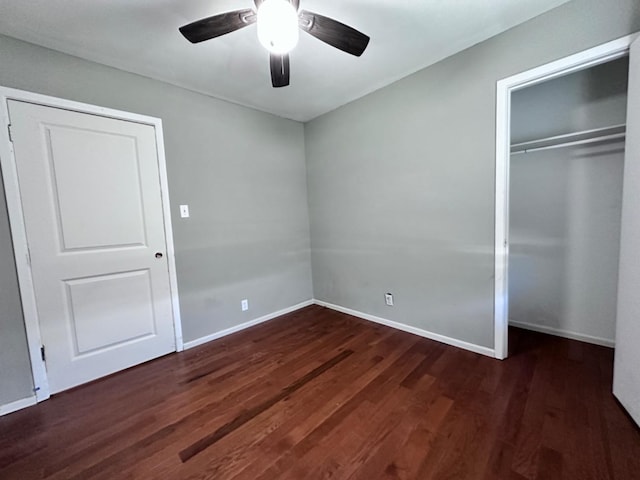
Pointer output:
x,y
597,135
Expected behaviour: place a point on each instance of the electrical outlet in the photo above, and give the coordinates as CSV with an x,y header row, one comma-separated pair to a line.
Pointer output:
x,y
388,299
184,211
244,305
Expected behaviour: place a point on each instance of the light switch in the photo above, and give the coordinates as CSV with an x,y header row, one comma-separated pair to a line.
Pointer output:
x,y
184,211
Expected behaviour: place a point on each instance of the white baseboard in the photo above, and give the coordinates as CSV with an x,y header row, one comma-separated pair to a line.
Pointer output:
x,y
242,326
605,342
17,405
489,352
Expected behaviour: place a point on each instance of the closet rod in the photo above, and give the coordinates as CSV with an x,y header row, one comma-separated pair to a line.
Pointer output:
x,y
570,144
572,139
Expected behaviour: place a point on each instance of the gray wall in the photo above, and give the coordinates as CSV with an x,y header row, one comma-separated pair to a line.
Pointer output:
x,y
401,182
565,238
588,99
241,171
565,204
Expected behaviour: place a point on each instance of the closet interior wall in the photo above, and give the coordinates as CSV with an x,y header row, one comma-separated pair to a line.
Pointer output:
x,y
565,206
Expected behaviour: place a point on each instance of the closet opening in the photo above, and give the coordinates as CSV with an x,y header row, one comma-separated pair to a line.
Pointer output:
x,y
569,116
566,160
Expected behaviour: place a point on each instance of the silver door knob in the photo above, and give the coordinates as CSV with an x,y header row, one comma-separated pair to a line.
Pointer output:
x,y
158,255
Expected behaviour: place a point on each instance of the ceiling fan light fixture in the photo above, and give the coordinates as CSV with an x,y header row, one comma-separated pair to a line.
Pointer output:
x,y
277,26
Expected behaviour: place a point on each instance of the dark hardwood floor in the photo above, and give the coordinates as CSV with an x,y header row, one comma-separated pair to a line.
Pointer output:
x,y
317,394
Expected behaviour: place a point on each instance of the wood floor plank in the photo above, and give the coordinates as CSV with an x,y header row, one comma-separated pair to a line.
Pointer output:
x,y
319,394
248,415
263,444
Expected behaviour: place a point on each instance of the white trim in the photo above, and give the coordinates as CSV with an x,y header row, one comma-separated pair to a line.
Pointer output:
x,y
8,408
503,148
605,342
7,93
472,347
168,236
588,58
245,325
18,231
20,249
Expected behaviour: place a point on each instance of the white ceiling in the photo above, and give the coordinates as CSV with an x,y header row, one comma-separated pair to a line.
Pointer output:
x,y
141,36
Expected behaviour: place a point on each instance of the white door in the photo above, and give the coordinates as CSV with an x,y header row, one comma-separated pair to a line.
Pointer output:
x,y
91,199
626,372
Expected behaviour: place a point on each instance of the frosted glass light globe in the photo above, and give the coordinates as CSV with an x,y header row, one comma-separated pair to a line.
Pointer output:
x,y
277,26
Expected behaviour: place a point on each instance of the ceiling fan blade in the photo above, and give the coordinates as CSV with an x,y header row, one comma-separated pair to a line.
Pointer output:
x,y
279,69
218,25
336,34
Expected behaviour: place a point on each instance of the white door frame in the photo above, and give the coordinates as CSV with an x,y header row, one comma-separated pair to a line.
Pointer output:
x,y
18,231
580,61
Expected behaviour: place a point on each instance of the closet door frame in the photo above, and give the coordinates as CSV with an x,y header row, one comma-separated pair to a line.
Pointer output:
x,y
573,63
18,231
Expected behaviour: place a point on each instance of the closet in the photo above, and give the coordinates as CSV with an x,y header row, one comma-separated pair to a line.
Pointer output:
x,y
565,197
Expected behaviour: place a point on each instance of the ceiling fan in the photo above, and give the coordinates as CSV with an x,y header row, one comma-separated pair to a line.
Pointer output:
x,y
278,23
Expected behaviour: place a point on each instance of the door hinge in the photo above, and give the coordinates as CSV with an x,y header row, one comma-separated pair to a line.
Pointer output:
x,y
42,354
9,130
28,255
